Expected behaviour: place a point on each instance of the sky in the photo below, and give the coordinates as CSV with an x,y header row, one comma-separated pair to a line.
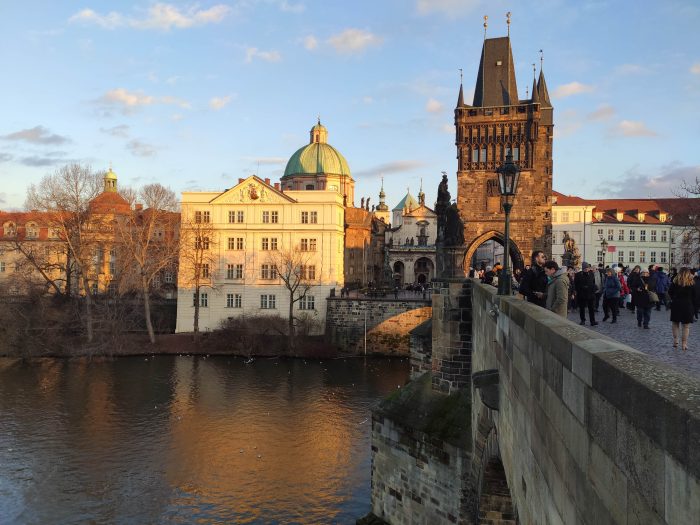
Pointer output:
x,y
196,95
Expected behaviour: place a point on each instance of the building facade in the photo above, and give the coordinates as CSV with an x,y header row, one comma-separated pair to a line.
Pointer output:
x,y
499,123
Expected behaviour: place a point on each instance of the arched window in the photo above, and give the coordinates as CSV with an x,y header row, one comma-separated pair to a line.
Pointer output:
x,y
32,230
10,229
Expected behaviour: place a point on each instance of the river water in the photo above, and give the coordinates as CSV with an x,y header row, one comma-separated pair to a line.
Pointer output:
x,y
178,439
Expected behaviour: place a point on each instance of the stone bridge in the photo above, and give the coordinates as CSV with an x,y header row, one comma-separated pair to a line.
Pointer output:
x,y
380,325
520,416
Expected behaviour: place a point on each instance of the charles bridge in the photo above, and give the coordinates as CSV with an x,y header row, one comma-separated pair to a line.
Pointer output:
x,y
516,415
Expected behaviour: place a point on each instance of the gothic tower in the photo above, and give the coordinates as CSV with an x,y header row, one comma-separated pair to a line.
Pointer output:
x,y
498,123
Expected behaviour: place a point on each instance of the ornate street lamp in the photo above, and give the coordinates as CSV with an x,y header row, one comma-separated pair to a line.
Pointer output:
x,y
603,248
508,176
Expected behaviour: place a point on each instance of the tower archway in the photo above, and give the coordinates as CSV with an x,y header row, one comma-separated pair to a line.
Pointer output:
x,y
516,257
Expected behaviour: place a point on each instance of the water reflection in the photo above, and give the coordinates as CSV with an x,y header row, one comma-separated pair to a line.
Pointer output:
x,y
188,439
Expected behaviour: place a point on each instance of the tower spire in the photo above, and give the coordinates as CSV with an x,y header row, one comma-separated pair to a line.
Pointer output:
x,y
460,97
508,22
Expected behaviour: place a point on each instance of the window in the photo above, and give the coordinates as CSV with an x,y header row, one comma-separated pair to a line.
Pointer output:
x,y
230,269
642,256
201,243
112,261
611,234
555,216
268,271
482,156
516,153
10,229
231,216
632,235
233,300
267,301
308,272
201,216
662,257
240,216
686,258
231,243
93,288
631,257
620,235
621,256
600,233
2,266
266,217
600,256
265,243
577,216
205,216
642,235
239,272
565,216
664,236
203,300
32,231
205,270
307,302
275,217
475,155
235,243
652,257
305,217
168,277
653,237
314,217
273,243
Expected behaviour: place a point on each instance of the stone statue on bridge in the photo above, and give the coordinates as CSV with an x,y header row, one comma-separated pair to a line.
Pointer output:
x,y
571,256
450,234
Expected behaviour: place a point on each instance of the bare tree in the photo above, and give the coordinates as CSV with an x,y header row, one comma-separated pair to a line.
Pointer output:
x,y
43,259
298,277
198,260
65,196
150,241
687,216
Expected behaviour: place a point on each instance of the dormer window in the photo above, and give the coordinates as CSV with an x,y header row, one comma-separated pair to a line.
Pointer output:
x,y
662,217
32,230
640,216
598,215
620,215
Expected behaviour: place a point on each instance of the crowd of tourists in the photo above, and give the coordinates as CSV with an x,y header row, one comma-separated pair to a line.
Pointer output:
x,y
615,288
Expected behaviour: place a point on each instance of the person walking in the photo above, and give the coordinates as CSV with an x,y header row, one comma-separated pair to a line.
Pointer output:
x,y
638,283
599,277
663,283
533,285
585,288
682,292
633,281
557,288
611,295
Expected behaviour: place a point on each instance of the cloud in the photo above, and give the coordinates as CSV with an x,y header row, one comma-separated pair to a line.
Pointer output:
x,y
448,128
5,157
368,100
176,117
49,159
129,101
141,149
434,106
268,161
310,42
36,135
397,166
603,112
632,128
572,88
121,131
451,8
217,103
569,123
267,56
667,182
288,7
160,16
354,41
695,68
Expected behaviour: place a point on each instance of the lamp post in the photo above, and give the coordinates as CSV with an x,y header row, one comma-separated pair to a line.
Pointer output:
x,y
603,248
508,175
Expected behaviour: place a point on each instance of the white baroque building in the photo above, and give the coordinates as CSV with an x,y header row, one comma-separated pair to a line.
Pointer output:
x,y
249,223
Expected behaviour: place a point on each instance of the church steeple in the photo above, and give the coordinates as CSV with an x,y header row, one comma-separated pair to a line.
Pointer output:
x,y
495,83
382,196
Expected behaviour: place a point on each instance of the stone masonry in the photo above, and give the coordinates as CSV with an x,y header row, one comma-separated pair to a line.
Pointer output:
x,y
388,323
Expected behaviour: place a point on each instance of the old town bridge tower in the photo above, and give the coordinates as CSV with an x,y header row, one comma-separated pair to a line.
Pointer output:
x,y
499,122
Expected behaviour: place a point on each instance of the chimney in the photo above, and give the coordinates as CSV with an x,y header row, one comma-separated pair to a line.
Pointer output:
x,y
139,207
277,186
240,180
267,181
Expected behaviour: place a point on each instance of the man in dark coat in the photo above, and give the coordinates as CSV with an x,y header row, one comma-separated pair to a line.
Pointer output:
x,y
585,287
533,285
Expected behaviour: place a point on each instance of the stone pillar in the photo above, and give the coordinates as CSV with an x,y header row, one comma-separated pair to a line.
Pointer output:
x,y
452,334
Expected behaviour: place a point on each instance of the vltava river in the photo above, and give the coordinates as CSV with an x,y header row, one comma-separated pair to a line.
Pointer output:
x,y
175,439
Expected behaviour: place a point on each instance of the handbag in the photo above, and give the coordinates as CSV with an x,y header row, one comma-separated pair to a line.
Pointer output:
x,y
652,296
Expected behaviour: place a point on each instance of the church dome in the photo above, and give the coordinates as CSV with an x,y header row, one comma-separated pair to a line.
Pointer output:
x,y
317,157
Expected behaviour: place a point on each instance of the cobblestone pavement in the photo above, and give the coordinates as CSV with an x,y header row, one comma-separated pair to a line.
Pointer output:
x,y
656,342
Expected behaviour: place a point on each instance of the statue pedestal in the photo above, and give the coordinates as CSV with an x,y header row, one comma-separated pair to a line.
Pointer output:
x,y
450,261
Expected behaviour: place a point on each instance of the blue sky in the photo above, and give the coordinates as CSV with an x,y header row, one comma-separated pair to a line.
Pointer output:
x,y
195,95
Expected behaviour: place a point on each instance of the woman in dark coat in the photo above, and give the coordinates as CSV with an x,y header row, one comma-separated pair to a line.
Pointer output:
x,y
638,283
682,294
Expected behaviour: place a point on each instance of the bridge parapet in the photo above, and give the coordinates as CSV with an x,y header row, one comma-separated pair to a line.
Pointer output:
x,y
383,324
588,430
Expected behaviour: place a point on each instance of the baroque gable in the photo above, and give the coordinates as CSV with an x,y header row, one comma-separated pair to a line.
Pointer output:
x,y
252,191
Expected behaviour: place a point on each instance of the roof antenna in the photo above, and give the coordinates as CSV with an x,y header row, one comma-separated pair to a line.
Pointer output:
x,y
486,24
508,22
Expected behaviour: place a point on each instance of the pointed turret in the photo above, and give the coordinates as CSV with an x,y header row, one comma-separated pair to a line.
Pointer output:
x,y
460,98
542,92
535,93
382,196
495,83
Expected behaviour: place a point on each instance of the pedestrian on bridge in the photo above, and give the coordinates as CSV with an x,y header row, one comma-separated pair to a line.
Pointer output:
x,y
533,285
682,292
611,295
585,288
557,288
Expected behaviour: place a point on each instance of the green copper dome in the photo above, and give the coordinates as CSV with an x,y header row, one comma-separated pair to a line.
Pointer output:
x,y
317,157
